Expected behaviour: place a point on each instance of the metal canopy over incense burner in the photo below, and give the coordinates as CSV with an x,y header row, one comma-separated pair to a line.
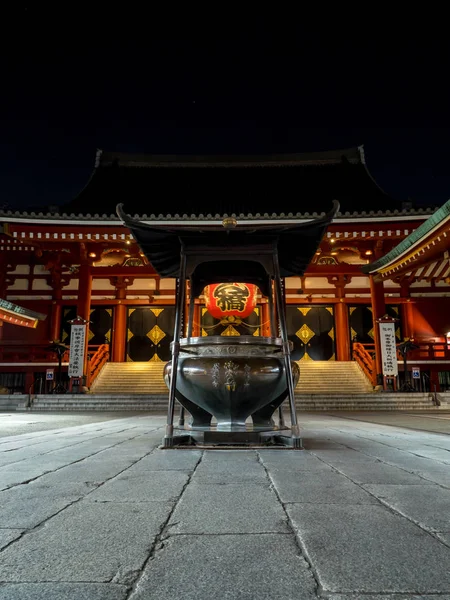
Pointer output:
x,y
230,378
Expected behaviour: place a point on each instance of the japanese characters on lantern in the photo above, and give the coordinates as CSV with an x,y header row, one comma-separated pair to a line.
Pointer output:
x,y
230,299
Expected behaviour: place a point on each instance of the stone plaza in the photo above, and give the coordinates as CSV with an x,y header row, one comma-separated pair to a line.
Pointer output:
x,y
93,509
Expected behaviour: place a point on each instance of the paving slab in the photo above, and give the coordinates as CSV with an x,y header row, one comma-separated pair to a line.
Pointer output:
x,y
90,470
8,535
367,549
227,567
26,506
347,455
229,508
325,487
445,537
62,591
89,542
18,474
377,472
147,486
289,460
427,505
169,460
388,597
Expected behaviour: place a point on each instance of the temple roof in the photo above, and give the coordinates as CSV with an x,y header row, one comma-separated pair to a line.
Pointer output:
x,y
291,184
236,252
425,243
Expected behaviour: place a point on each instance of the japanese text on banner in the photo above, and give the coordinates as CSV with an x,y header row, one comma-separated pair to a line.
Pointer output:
x,y
76,358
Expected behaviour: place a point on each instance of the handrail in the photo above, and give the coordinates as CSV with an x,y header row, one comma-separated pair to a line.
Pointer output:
x,y
96,363
30,400
435,395
365,361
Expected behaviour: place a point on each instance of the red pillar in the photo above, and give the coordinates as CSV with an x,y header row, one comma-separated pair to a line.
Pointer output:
x,y
84,301
342,330
84,291
265,319
55,320
119,321
196,326
378,311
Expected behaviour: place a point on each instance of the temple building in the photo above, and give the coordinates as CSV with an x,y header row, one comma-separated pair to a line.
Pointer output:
x,y
378,259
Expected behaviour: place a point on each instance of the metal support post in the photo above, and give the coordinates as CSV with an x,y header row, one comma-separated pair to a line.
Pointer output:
x,y
296,440
273,327
191,313
181,417
181,288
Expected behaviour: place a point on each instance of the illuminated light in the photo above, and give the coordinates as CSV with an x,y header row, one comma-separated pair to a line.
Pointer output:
x,y
333,253
92,254
332,241
368,252
128,242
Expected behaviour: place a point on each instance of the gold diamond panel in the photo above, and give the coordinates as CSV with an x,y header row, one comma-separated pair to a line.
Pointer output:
x,y
256,310
156,334
304,311
305,333
204,334
306,356
329,309
354,334
155,358
371,333
352,309
204,310
331,334
156,311
256,332
91,334
230,330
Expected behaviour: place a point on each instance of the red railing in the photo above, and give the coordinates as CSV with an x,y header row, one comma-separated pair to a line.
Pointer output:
x,y
25,353
428,350
363,355
96,363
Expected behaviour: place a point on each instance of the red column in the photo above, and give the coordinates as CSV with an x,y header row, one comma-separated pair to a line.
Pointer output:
x,y
84,291
265,319
196,327
119,322
84,301
55,320
378,311
342,330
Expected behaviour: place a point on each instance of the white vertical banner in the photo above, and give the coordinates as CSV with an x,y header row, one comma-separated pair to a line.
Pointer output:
x,y
76,357
388,349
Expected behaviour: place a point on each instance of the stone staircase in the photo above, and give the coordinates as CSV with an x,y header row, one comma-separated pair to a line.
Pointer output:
x,y
123,379
325,377
364,402
331,378
323,386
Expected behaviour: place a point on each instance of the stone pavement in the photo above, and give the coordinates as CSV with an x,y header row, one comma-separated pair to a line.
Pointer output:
x,y
98,512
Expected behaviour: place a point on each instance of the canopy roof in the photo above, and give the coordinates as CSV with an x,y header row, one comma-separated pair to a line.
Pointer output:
x,y
225,185
424,254
217,253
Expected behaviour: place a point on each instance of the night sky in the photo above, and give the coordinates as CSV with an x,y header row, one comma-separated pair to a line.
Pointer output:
x,y
72,83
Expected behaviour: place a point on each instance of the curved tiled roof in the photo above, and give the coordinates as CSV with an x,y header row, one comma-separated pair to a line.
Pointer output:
x,y
10,215
435,220
294,184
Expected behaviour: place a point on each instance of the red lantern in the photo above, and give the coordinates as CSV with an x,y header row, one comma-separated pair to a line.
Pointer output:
x,y
225,300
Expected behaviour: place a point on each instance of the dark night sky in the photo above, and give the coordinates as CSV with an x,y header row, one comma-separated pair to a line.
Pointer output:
x,y
72,87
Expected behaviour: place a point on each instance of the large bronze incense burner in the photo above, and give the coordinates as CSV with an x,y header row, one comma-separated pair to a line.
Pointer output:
x,y
240,380
231,378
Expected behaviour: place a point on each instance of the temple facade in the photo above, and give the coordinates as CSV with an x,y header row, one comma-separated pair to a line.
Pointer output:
x,y
82,262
